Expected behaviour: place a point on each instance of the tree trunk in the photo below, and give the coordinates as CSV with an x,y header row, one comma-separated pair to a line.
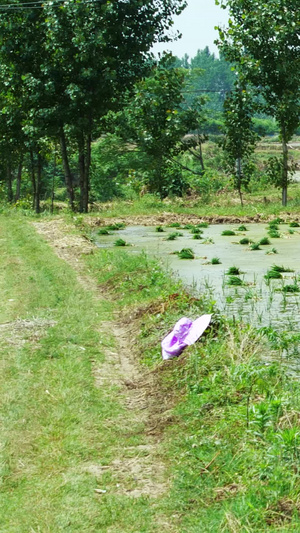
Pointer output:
x,y
67,170
53,181
38,183
9,182
239,180
19,176
84,162
284,170
33,180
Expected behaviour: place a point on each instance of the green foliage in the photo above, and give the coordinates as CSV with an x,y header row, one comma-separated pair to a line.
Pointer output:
x,y
159,229
242,228
234,281
228,232
294,225
120,242
255,246
291,288
186,253
216,261
264,241
273,274
262,42
274,234
280,268
245,240
233,271
173,236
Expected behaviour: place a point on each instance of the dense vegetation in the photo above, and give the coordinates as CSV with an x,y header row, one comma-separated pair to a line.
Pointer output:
x,y
72,129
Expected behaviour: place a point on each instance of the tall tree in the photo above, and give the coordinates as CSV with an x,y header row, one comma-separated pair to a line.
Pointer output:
x,y
262,41
239,137
74,60
156,121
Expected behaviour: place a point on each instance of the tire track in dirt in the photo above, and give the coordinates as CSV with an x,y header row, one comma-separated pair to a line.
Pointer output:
x,y
139,467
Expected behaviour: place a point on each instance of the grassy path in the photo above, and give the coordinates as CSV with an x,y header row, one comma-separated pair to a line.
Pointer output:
x,y
71,426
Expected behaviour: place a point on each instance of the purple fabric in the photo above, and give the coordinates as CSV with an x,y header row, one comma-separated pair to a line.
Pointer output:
x,y
184,333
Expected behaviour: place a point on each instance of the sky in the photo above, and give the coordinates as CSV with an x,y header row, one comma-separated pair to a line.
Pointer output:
x,y
196,23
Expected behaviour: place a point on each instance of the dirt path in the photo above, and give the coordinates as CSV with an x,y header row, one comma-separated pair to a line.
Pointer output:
x,y
139,467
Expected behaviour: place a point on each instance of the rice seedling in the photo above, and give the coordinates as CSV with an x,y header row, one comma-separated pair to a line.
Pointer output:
x,y
196,230
103,231
264,241
233,271
186,253
245,240
274,234
273,225
174,225
255,246
291,288
242,228
272,251
273,274
280,268
294,224
277,220
116,227
173,236
208,240
188,226
202,225
120,242
159,229
228,232
197,236
234,281
216,261
291,231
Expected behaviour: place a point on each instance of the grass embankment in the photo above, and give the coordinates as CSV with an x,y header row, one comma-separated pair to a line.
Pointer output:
x,y
233,443
231,439
57,428
262,204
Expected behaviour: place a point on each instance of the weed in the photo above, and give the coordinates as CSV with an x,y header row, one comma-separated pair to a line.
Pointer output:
x,y
120,242
228,232
216,261
264,241
245,240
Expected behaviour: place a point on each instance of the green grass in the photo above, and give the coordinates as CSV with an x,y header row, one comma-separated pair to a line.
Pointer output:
x,y
120,242
228,232
216,261
55,424
233,271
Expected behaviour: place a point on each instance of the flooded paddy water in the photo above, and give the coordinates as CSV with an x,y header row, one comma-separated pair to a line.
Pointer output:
x,y
258,301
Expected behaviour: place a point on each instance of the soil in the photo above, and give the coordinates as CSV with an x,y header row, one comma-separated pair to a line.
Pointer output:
x,y
138,471
170,218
